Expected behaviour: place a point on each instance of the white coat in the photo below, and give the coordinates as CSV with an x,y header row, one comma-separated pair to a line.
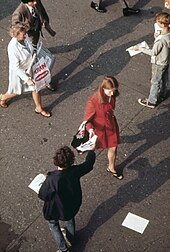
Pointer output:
x,y
19,60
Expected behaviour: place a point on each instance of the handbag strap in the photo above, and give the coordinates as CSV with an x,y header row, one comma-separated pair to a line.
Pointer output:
x,y
28,71
82,125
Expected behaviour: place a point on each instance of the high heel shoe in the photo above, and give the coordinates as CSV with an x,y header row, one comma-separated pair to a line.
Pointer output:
x,y
3,102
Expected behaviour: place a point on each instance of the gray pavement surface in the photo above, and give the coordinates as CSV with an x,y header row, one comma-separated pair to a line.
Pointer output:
x,y
87,46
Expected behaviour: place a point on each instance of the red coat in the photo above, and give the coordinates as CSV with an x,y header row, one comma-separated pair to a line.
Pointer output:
x,y
101,118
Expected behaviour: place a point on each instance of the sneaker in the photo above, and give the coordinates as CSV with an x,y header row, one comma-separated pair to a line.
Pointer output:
x,y
146,103
63,230
162,98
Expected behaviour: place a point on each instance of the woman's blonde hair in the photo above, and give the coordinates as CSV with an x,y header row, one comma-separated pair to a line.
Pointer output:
x,y
17,28
109,82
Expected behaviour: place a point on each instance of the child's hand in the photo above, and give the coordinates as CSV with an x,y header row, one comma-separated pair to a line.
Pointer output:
x,y
136,48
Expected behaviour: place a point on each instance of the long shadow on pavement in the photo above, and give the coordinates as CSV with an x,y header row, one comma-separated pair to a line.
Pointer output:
x,y
95,39
7,236
8,7
102,66
139,4
148,181
112,62
153,131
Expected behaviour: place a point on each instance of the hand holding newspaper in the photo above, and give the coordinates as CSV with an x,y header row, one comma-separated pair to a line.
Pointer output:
x,y
37,182
89,145
133,52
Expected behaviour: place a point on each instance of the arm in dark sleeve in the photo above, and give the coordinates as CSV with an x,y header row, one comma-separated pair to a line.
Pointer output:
x,y
45,18
45,191
40,7
87,166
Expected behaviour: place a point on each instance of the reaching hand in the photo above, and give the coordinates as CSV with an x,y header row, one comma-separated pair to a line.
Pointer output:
x,y
136,48
30,82
91,133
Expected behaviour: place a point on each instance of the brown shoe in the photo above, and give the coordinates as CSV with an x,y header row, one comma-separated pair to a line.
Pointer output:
x,y
43,113
3,102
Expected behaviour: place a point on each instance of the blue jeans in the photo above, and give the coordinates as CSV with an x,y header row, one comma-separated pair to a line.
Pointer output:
x,y
159,82
58,236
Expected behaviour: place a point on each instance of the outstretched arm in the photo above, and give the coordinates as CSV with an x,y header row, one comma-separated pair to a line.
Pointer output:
x,y
86,166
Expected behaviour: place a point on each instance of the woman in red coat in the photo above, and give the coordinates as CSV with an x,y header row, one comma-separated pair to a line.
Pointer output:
x,y
99,113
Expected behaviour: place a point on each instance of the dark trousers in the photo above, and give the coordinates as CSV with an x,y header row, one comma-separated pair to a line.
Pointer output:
x,y
34,37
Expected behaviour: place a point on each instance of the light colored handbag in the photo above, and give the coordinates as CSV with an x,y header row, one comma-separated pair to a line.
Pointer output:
x,y
42,51
41,74
29,69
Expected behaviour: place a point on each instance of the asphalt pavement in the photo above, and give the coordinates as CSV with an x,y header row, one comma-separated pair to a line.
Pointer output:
x,y
87,46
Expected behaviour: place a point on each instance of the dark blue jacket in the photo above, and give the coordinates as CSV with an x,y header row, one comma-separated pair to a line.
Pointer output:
x,y
61,191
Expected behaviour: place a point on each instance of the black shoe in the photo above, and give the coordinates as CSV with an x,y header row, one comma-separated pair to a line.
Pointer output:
x,y
97,8
129,11
161,99
49,87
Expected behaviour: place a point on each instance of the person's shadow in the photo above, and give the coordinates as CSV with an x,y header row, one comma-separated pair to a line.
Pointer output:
x,y
8,7
111,62
148,181
139,4
95,39
69,80
7,236
152,131
104,64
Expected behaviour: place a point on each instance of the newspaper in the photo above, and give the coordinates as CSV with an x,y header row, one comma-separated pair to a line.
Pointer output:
x,y
89,145
37,182
131,50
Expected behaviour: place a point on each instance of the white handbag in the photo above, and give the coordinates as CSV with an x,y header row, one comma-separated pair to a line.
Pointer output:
x,y
41,74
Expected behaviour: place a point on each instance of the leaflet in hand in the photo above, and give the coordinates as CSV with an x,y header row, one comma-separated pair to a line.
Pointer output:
x,y
37,182
132,52
89,145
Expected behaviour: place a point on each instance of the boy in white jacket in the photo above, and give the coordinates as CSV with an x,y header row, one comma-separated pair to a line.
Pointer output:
x,y
160,62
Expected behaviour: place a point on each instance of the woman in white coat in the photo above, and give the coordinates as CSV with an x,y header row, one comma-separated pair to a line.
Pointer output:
x,y
20,55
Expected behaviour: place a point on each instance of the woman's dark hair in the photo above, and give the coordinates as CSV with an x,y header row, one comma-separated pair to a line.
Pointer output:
x,y
109,82
64,157
26,1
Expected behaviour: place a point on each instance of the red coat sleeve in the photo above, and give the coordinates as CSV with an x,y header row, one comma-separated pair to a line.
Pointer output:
x,y
89,113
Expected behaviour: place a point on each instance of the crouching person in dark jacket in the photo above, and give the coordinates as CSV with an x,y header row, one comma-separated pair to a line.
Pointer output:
x,y
62,195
